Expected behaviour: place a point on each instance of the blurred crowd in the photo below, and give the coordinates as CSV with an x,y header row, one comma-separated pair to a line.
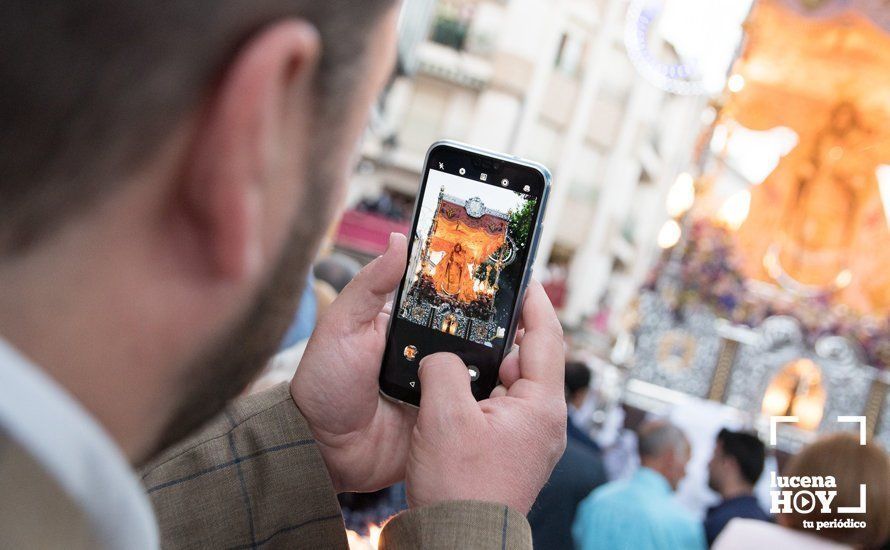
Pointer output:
x,y
584,507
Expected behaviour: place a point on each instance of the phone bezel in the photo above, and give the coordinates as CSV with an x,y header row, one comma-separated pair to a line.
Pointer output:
x,y
411,397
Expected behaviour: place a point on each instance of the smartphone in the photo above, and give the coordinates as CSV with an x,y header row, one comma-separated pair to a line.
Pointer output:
x,y
476,227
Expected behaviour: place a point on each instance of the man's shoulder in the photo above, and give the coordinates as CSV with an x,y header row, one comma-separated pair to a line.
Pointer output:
x,y
576,434
745,507
273,408
254,476
581,462
615,512
614,495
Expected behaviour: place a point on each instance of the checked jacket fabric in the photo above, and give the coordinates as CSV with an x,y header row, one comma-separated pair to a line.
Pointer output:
x,y
254,478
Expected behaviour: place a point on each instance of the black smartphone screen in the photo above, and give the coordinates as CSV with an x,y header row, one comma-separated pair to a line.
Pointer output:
x,y
472,243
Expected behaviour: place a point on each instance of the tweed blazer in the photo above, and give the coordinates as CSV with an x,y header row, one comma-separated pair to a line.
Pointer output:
x,y
254,478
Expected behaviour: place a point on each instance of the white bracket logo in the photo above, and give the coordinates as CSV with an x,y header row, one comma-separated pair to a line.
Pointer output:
x,y
774,421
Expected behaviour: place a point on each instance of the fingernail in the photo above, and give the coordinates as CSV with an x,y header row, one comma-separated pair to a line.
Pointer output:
x,y
392,240
423,362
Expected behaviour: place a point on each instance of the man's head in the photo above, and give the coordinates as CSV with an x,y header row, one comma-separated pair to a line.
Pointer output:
x,y
665,449
337,270
169,170
736,464
577,382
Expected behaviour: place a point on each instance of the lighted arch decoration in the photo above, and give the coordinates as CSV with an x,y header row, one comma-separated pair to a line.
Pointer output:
x,y
797,390
682,78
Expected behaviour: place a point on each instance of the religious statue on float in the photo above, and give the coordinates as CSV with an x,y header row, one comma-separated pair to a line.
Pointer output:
x,y
452,275
828,195
817,223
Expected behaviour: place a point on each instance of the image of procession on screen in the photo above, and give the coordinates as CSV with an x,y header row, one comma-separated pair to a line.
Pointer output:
x,y
467,262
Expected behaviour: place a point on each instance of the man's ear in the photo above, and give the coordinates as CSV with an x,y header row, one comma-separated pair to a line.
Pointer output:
x,y
224,193
670,459
734,466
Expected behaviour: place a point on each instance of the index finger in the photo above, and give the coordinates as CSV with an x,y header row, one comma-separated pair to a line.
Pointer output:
x,y
362,300
542,353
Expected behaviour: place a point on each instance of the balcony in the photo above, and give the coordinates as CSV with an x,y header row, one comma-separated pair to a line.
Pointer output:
x,y
453,66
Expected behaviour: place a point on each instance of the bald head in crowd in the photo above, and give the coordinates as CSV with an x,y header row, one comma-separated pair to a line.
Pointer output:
x,y
664,448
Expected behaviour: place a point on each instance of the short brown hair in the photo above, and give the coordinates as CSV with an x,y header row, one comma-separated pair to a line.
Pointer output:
x,y
840,455
89,91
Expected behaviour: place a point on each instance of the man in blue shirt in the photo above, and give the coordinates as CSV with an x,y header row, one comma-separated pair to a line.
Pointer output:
x,y
641,513
733,471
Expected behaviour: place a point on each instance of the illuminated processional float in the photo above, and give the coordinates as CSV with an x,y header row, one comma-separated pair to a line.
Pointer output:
x,y
458,269
776,300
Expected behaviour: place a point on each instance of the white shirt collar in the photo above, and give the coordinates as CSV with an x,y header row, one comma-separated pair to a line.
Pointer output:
x,y
48,423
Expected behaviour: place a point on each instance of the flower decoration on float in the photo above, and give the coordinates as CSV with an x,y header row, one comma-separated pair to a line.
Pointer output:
x,y
710,274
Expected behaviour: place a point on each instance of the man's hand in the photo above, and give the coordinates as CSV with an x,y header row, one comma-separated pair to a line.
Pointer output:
x,y
502,449
363,438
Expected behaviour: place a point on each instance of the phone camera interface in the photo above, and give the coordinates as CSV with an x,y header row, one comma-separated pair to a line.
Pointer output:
x,y
467,260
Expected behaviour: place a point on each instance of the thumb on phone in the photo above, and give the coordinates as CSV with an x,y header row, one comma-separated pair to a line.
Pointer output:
x,y
445,384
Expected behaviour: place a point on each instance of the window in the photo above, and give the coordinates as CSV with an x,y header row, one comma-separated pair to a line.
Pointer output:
x,y
451,26
568,58
450,32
